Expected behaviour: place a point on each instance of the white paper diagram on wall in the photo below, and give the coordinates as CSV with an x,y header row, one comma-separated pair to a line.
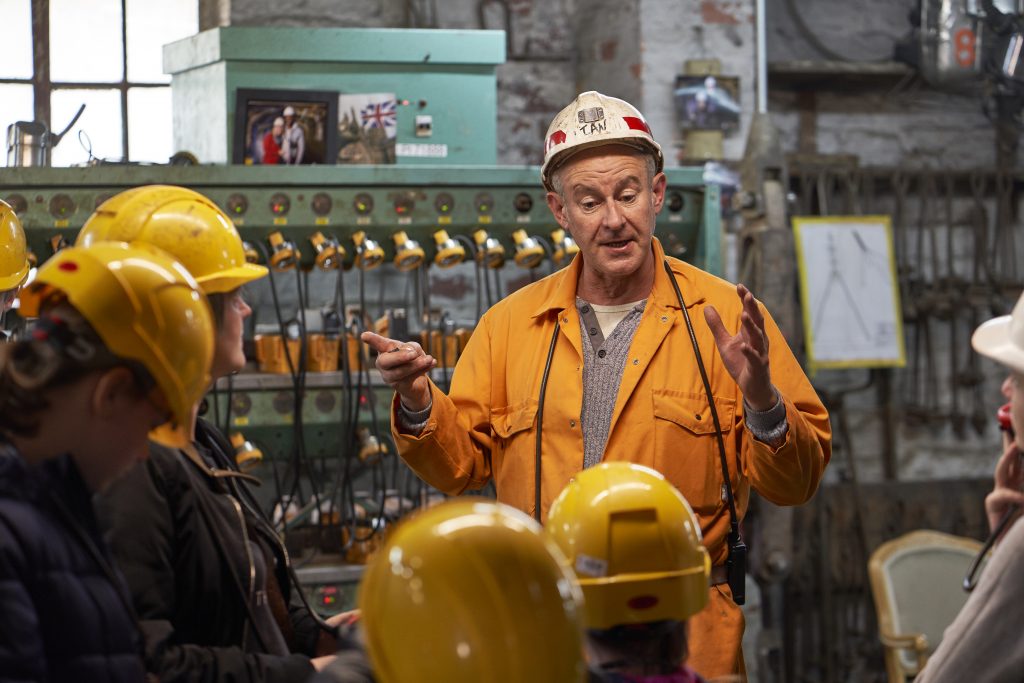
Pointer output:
x,y
849,292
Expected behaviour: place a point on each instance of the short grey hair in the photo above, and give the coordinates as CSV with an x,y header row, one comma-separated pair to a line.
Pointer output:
x,y
649,161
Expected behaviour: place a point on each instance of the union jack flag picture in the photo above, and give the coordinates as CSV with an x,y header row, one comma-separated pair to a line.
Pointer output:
x,y
380,115
367,128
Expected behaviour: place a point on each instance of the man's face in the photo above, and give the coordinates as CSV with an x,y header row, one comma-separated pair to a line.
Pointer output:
x,y
608,203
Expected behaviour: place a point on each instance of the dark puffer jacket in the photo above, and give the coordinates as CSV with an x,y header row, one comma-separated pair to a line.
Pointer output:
x,y
63,614
185,541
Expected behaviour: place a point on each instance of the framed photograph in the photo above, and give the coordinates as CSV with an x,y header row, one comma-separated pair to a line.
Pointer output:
x,y
849,292
285,127
708,102
367,128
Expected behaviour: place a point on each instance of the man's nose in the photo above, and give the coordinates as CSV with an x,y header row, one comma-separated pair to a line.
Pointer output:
x,y
613,215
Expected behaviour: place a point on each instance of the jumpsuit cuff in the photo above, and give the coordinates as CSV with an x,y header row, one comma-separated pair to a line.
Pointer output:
x,y
767,426
410,422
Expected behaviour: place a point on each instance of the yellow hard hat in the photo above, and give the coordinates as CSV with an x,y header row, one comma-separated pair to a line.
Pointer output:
x,y
14,264
182,222
635,545
145,307
468,591
591,120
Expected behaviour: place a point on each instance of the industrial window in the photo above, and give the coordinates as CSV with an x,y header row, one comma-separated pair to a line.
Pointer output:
x,y
106,54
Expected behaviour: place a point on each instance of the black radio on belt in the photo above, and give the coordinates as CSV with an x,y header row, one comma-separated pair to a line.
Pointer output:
x,y
736,570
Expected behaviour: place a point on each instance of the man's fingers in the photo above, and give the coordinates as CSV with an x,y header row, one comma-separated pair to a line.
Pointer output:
x,y
750,305
378,343
754,332
714,322
406,372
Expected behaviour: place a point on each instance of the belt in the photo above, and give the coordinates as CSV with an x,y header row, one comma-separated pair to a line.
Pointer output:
x,y
719,575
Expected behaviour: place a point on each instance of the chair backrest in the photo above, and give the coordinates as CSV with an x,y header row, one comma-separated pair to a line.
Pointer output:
x,y
917,582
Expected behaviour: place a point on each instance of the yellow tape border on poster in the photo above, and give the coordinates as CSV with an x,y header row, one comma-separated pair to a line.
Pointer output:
x,y
801,222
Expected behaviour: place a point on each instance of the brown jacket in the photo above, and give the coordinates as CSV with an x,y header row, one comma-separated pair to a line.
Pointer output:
x,y
486,426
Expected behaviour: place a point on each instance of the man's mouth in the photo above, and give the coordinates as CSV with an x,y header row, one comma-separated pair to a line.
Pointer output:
x,y
616,245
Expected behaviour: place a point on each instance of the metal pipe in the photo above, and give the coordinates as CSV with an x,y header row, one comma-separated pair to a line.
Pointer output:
x,y
762,60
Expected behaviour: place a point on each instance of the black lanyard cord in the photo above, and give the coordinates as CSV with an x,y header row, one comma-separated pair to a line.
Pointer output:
x,y
736,563
540,423
733,519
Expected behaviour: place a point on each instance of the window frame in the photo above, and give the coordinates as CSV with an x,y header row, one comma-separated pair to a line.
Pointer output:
x,y
43,86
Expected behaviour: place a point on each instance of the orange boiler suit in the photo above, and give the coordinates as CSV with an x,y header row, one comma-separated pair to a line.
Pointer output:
x,y
485,427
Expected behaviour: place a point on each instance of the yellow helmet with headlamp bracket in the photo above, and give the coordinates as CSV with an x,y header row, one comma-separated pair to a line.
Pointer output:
x,y
182,222
145,307
634,543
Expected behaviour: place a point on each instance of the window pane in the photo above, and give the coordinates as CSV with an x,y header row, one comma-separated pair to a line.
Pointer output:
x,y
15,105
16,46
149,124
151,25
85,41
101,123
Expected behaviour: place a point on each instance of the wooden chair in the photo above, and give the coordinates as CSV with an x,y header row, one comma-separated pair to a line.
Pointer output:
x,y
916,581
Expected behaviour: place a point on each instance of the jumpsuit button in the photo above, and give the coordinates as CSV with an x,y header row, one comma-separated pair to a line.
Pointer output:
x,y
664,318
697,417
585,309
593,331
572,423
636,361
602,353
565,320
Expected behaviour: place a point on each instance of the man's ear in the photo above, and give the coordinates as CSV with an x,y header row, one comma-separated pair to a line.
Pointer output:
x,y
557,206
658,191
114,392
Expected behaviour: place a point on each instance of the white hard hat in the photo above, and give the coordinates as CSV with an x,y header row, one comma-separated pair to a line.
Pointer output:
x,y
591,120
278,121
289,111
1002,338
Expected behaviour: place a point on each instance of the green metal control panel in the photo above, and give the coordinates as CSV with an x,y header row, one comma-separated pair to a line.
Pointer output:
x,y
378,200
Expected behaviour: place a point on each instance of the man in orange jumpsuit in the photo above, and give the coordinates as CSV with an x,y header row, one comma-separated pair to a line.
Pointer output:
x,y
596,363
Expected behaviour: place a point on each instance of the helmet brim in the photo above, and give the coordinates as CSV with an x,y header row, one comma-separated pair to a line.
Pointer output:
x,y
992,340
639,144
231,279
14,280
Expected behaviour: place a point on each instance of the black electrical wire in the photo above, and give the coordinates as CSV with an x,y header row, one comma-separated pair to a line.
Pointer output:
x,y
471,252
343,477
364,376
298,456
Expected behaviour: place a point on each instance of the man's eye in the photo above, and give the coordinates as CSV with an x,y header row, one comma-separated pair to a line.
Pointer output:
x,y
628,198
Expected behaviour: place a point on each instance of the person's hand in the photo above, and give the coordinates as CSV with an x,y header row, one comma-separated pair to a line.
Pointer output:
x,y
320,663
345,618
404,367
1006,492
745,354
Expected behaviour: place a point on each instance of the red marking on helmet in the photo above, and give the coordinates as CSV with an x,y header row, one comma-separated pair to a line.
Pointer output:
x,y
68,266
556,138
642,602
635,123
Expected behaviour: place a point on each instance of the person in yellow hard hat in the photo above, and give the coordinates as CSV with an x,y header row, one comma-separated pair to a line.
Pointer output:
x,y
624,354
467,591
195,547
14,265
122,344
635,546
